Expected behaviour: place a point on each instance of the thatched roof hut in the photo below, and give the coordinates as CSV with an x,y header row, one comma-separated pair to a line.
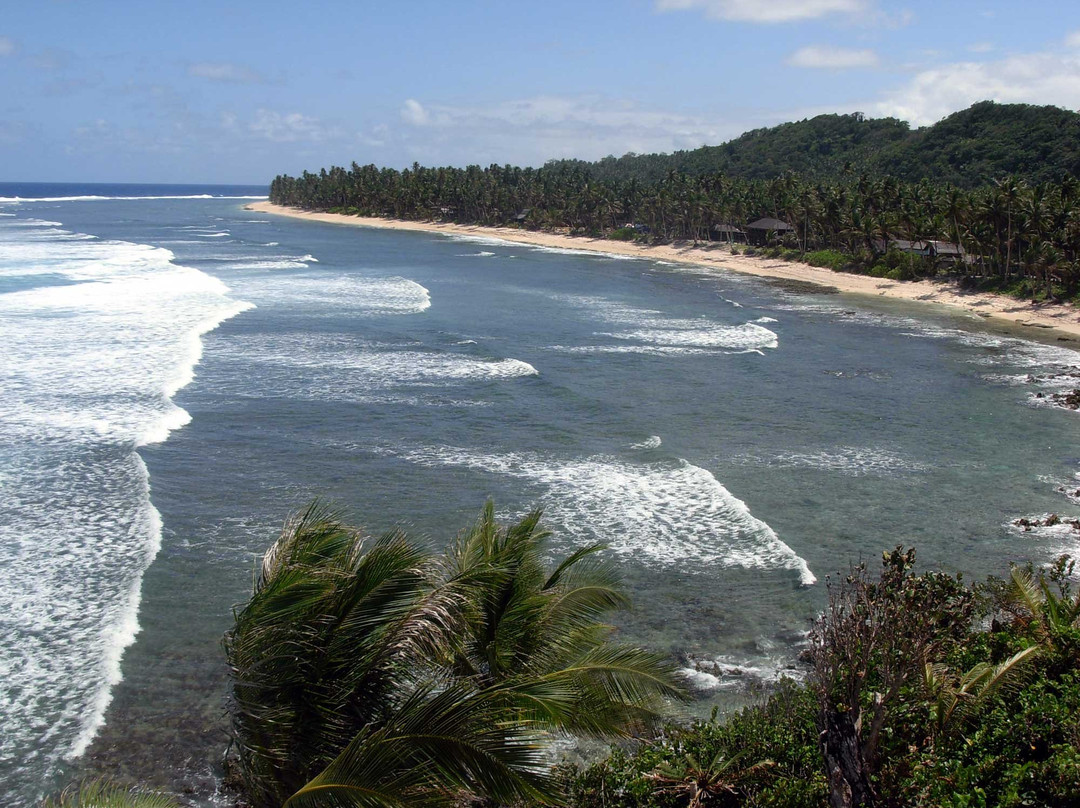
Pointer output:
x,y
758,232
767,224
728,232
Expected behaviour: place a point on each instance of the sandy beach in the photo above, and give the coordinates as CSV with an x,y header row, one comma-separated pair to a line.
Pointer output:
x,y
1063,320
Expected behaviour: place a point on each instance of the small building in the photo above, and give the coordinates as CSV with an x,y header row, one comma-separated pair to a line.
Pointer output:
x,y
921,248
728,232
945,251
948,252
757,233
521,216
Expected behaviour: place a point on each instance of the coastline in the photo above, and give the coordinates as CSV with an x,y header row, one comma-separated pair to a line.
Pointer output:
x,y
1046,318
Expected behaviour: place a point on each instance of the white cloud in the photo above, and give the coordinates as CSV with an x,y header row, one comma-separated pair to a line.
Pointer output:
x,y
530,131
225,72
290,127
413,113
1073,40
816,56
1033,78
981,47
7,46
766,12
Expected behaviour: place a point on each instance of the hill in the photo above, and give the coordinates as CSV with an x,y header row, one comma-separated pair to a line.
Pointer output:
x,y
968,148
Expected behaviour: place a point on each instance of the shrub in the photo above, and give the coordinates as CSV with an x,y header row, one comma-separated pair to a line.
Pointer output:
x,y
830,259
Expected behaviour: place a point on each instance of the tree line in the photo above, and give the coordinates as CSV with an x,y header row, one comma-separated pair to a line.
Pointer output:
x,y
1013,234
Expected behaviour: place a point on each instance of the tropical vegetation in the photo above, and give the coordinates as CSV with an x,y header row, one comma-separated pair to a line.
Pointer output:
x,y
103,794
1015,221
368,672
920,691
1035,143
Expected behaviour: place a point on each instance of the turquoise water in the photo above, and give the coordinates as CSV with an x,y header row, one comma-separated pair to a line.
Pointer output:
x,y
182,373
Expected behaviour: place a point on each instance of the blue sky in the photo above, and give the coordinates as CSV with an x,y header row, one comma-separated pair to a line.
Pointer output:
x,y
157,91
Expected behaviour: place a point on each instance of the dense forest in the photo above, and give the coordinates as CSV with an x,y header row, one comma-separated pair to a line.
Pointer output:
x,y
1017,232
1036,144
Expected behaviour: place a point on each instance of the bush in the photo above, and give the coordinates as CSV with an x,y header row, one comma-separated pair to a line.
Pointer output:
x,y
623,234
1014,740
830,259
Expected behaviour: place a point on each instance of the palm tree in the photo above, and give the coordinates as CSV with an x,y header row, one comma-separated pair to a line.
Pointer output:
x,y
717,783
955,699
366,672
538,633
101,794
1047,614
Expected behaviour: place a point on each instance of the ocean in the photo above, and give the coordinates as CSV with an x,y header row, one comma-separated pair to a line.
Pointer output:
x,y
180,374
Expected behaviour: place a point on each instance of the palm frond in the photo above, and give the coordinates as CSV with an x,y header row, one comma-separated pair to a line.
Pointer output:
x,y
102,794
435,749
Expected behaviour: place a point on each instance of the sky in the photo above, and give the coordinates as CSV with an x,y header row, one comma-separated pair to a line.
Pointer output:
x,y
237,92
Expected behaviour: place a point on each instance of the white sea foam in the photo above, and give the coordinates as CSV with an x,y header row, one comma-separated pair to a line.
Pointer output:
x,y
493,242
656,330
337,368
88,376
651,442
852,461
645,350
669,514
332,293
584,253
748,336
731,673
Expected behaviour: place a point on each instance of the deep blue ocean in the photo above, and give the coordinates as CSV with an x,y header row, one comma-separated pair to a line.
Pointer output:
x,y
180,373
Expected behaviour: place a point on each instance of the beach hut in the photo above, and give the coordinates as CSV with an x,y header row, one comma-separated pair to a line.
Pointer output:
x,y
945,251
728,232
948,252
757,233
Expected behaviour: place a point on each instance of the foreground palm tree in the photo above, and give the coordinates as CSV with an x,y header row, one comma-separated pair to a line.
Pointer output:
x,y
102,794
367,672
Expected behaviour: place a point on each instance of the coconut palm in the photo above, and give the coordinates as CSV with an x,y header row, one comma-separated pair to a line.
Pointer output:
x,y
366,672
102,794
538,633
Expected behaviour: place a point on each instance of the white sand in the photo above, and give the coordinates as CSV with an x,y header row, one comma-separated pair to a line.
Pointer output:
x,y
1062,318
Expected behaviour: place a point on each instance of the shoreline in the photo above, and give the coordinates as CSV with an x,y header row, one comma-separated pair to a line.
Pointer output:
x,y
1045,318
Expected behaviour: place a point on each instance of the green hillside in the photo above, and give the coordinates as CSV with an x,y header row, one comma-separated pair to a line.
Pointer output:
x,y
1038,144
968,148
